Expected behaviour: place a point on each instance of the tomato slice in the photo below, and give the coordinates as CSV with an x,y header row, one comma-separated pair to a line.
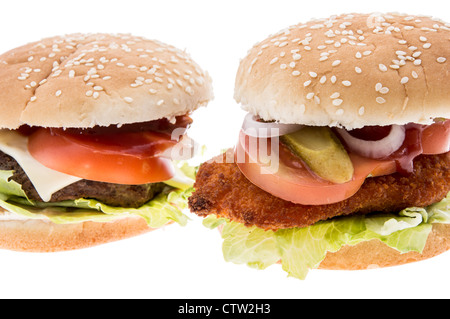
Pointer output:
x,y
436,138
129,158
294,182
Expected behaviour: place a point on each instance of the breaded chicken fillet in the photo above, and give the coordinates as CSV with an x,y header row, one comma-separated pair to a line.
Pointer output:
x,y
222,189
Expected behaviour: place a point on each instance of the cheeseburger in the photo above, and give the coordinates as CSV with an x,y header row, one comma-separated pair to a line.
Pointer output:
x,y
355,109
92,141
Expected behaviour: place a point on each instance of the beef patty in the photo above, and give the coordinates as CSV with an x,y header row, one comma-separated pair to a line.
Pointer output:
x,y
107,193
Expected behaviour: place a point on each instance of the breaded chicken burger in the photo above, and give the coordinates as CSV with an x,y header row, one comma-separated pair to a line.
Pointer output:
x,y
343,159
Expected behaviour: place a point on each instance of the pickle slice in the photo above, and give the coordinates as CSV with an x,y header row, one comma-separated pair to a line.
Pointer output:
x,y
322,151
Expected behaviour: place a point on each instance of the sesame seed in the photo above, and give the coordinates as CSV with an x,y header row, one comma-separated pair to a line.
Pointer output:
x,y
414,74
58,93
335,95
71,74
346,83
128,99
98,88
426,45
309,96
378,87
337,102
358,55
307,83
404,80
33,98
160,102
274,60
336,63
380,100
361,110
384,90
296,57
382,67
152,91
333,79
302,108
95,95
441,59
312,74
295,73
423,39
323,79
317,99
89,93
189,90
357,69
283,66
417,62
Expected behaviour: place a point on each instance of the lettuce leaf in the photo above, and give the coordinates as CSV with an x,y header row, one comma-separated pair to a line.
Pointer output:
x,y
301,249
163,208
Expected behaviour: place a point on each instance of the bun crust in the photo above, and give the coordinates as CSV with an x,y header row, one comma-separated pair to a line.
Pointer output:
x,y
376,254
351,71
44,236
83,80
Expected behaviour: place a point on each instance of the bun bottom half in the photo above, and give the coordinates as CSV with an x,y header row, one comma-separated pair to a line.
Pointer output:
x,y
376,254
44,236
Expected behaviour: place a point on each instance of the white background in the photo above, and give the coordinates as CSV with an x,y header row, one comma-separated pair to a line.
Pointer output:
x,y
186,262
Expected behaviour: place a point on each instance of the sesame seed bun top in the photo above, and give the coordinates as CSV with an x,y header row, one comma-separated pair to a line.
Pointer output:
x,y
83,80
350,70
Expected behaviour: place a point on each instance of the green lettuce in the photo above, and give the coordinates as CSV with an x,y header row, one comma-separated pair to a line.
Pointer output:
x,y
165,207
301,249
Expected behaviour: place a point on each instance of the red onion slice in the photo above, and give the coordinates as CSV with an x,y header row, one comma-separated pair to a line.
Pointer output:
x,y
255,128
375,149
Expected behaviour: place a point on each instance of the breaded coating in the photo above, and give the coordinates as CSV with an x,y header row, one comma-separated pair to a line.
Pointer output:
x,y
221,189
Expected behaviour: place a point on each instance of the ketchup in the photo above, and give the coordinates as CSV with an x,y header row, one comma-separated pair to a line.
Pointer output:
x,y
410,149
407,152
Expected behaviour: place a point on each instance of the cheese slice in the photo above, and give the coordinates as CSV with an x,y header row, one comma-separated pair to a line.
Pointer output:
x,y
45,180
